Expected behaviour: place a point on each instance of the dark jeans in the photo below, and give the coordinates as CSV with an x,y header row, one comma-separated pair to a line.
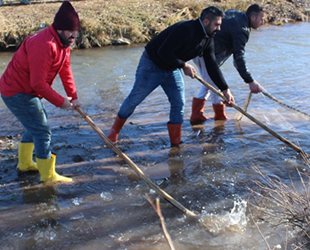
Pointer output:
x,y
30,112
148,78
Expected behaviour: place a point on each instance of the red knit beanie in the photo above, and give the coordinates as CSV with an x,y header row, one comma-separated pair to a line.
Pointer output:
x,y
66,18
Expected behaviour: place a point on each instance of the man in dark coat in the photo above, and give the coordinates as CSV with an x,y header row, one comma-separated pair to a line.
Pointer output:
x,y
230,40
163,63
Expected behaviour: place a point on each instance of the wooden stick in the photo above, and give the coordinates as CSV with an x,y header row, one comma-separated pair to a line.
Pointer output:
x,y
138,171
292,145
245,106
283,104
162,220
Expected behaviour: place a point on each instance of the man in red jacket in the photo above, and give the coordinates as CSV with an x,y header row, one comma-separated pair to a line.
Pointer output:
x,y
28,78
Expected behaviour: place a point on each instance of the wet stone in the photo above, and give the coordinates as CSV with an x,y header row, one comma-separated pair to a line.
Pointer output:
x,y
106,196
77,216
77,158
121,41
77,201
59,145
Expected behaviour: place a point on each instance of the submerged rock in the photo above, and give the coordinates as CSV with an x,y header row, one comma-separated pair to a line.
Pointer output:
x,y
77,158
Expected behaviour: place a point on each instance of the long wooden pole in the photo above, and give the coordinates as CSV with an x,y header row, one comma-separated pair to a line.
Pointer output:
x,y
138,171
283,104
292,145
245,106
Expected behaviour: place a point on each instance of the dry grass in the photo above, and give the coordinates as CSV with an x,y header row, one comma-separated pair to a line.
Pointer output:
x,y
104,22
279,203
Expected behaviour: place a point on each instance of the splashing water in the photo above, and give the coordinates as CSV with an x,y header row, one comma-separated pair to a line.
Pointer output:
x,y
235,220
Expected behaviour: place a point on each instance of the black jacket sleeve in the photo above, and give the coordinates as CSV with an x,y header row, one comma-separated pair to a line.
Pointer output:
x,y
240,36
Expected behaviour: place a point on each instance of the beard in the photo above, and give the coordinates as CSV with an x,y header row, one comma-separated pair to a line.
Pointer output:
x,y
212,33
66,41
209,31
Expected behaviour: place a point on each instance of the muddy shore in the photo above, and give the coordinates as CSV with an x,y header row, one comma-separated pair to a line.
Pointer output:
x,y
117,22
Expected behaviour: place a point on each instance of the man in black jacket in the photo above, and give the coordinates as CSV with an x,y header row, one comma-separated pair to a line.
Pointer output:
x,y
231,39
162,62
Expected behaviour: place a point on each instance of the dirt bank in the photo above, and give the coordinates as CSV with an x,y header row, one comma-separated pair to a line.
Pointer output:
x,y
122,22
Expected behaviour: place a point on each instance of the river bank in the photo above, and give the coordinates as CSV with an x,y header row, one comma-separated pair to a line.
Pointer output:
x,y
127,22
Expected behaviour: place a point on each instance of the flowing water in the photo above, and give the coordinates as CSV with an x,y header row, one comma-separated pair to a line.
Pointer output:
x,y
106,207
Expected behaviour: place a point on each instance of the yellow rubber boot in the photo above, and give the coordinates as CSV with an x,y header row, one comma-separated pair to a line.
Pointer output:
x,y
25,162
47,170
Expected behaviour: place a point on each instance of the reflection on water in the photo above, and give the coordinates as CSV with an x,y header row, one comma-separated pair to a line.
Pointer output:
x,y
106,207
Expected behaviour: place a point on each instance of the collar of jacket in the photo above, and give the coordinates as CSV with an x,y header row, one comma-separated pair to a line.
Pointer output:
x,y
203,28
56,36
249,21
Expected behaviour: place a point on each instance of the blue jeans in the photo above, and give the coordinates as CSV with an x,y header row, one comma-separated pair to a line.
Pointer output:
x,y
148,78
29,110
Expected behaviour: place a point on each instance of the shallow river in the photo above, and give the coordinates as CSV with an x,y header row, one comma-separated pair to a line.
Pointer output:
x,y
106,208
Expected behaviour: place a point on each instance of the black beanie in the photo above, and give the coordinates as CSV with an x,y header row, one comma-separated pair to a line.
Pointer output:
x,y
66,18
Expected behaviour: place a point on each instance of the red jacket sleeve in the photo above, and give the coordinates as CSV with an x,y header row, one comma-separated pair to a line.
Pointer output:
x,y
67,79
